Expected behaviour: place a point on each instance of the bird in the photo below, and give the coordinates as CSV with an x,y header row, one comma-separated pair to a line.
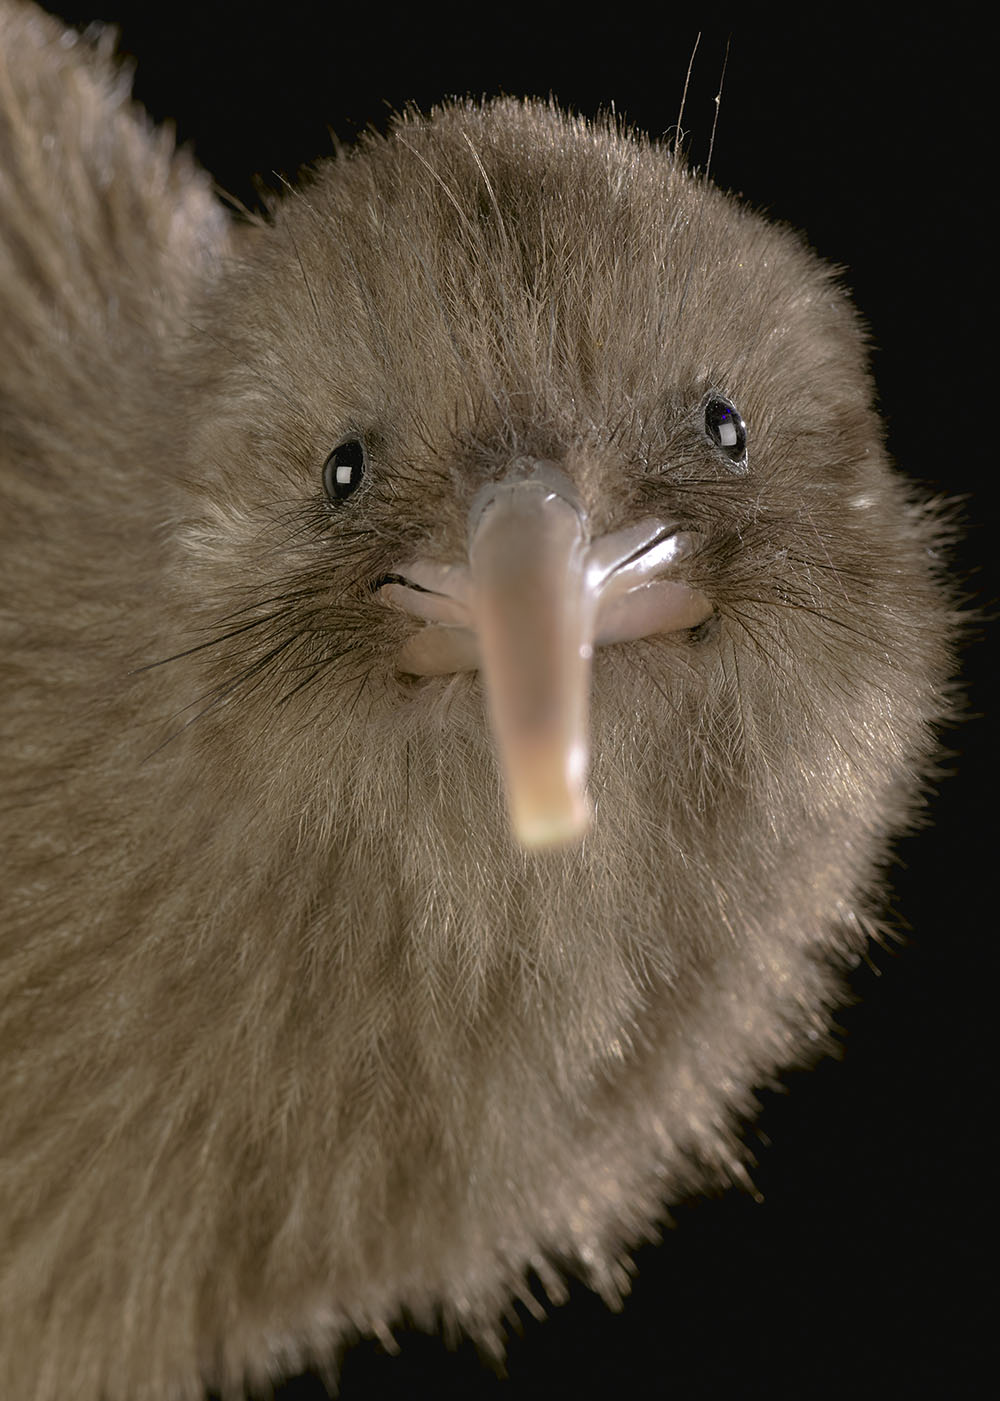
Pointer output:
x,y
466,658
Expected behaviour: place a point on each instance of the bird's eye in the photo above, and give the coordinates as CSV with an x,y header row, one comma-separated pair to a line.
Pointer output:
x,y
727,430
343,469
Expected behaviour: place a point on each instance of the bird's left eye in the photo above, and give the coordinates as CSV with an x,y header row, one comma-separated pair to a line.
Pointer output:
x,y
726,428
344,468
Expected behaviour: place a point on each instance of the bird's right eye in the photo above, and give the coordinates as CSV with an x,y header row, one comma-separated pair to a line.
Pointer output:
x,y
344,468
725,426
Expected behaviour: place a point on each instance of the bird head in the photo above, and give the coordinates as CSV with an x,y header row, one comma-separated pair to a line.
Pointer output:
x,y
527,459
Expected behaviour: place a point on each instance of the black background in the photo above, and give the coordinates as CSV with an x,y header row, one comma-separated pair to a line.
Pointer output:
x,y
862,1270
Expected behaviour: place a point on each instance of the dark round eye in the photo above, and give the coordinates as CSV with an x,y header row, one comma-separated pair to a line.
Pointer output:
x,y
343,469
727,430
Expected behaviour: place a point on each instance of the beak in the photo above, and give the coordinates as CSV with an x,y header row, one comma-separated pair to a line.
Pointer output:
x,y
534,600
535,624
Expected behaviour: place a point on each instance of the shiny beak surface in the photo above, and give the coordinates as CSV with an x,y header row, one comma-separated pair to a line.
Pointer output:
x,y
534,600
534,620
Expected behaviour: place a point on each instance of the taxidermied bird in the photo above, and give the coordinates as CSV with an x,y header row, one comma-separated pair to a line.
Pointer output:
x,y
465,657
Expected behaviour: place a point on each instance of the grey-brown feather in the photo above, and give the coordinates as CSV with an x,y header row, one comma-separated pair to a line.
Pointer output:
x,y
294,1037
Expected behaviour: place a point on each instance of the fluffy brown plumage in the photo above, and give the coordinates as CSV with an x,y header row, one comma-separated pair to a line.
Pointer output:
x,y
295,1035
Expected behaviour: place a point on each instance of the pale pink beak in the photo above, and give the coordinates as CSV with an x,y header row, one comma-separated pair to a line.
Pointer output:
x,y
535,599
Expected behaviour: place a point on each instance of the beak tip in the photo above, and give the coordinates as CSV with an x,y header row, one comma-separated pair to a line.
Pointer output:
x,y
540,831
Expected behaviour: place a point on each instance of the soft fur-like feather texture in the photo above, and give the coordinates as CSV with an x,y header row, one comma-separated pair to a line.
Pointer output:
x,y
294,1036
